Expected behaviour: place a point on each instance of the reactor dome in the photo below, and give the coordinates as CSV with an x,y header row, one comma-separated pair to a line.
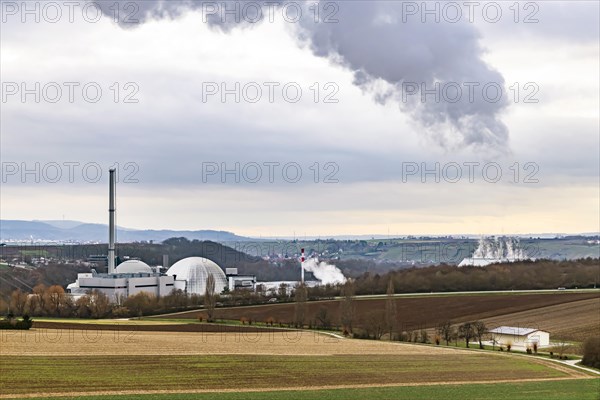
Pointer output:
x,y
133,267
195,271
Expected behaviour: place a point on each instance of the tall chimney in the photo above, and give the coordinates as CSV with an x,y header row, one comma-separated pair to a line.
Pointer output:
x,y
302,266
111,221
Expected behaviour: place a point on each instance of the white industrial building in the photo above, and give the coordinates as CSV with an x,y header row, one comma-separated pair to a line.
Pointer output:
x,y
519,337
130,278
190,275
134,276
236,281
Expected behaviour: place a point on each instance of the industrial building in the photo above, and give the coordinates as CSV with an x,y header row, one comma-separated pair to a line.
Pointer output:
x,y
134,276
519,337
190,275
130,278
236,281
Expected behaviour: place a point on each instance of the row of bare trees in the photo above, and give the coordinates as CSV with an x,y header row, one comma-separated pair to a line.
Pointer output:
x,y
52,301
379,323
45,300
468,331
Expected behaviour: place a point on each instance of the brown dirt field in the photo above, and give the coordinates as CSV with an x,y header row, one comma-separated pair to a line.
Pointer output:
x,y
413,312
69,342
574,321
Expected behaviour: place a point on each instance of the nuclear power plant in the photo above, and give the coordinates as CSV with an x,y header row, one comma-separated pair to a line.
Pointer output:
x,y
131,277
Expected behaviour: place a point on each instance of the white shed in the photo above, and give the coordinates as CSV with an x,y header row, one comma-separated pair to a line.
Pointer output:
x,y
520,337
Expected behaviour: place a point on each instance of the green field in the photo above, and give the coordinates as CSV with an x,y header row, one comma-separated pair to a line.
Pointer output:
x,y
588,389
61,374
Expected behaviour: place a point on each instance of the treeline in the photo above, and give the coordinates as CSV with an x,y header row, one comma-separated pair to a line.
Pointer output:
x,y
525,275
52,301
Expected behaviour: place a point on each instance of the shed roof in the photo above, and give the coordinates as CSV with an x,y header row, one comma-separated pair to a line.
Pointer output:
x,y
513,330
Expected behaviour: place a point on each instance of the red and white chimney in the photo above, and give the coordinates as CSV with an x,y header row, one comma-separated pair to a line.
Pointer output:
x,y
302,266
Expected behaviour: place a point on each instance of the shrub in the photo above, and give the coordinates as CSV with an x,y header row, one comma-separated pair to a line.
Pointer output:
x,y
25,324
591,352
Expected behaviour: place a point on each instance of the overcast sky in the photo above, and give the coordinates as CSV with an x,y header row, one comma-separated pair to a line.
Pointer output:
x,y
360,132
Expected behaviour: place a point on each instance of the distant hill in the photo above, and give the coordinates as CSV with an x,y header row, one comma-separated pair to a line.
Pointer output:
x,y
75,231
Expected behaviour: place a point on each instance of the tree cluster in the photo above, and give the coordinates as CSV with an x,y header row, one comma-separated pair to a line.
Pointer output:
x,y
591,352
52,301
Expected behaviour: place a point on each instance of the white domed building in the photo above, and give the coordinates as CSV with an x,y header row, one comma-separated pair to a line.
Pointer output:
x,y
133,267
191,273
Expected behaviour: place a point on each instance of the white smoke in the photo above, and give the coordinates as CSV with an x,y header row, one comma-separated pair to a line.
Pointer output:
x,y
385,53
494,250
326,273
501,248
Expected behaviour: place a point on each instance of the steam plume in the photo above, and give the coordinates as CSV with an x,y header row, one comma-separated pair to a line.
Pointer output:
x,y
387,54
326,273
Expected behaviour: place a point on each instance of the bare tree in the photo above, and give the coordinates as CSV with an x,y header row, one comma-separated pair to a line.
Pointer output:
x,y
18,301
55,296
82,307
390,309
141,303
323,318
446,331
479,329
99,304
563,345
466,332
210,298
38,304
300,306
375,324
282,291
347,310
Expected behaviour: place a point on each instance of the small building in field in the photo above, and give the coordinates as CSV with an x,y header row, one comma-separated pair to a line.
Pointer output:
x,y
519,337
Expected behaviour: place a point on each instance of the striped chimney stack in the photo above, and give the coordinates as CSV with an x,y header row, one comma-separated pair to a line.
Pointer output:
x,y
302,266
